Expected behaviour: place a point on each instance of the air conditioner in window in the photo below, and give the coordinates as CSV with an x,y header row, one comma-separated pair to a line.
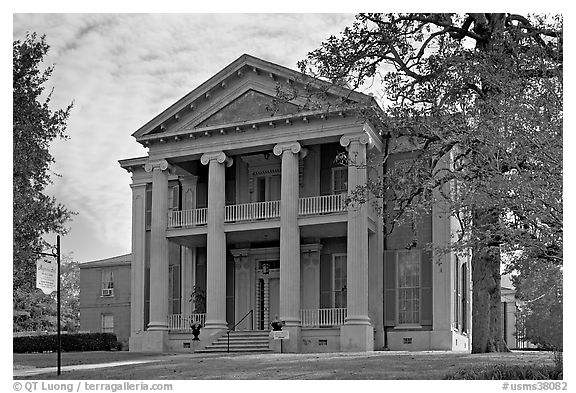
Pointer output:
x,y
108,292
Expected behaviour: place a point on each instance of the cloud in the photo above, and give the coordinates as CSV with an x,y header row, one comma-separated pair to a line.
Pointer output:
x,y
121,70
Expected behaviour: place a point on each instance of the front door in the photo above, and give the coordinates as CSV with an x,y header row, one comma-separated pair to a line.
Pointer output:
x,y
268,293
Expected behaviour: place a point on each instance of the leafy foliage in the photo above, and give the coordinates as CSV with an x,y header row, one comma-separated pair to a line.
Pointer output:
x,y
539,289
36,311
69,342
477,99
35,125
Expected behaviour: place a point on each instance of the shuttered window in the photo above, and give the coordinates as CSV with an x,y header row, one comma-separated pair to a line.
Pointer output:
x,y
339,280
174,289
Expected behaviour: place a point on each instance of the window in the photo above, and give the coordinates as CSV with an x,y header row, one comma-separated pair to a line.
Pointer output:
x,y
174,197
340,180
268,188
339,280
107,323
107,283
408,273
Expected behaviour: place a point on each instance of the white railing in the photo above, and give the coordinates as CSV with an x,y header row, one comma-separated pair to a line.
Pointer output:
x,y
322,204
252,211
259,211
182,321
322,317
187,218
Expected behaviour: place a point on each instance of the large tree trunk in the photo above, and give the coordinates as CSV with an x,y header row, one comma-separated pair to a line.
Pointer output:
x,y
487,332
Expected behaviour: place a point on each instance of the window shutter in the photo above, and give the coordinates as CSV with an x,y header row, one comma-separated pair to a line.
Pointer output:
x,y
389,288
426,289
325,275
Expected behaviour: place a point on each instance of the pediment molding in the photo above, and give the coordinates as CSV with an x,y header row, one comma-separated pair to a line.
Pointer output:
x,y
185,111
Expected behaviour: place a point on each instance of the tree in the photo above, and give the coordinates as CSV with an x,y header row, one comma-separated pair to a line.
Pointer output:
x,y
479,97
35,126
36,311
539,289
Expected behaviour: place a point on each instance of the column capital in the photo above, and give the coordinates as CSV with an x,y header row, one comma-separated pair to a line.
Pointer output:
x,y
219,156
361,137
160,164
294,147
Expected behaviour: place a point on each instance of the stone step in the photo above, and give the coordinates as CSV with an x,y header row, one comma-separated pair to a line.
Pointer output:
x,y
240,341
224,350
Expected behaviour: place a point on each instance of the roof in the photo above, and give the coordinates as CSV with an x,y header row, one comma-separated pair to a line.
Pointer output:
x,y
121,260
245,63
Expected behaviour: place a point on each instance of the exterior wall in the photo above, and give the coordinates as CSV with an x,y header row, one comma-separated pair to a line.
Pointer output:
x,y
93,305
320,340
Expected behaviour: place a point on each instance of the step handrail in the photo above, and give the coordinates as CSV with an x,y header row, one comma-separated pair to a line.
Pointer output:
x,y
238,323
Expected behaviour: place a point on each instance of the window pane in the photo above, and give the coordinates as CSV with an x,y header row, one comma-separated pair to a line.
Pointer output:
x,y
408,287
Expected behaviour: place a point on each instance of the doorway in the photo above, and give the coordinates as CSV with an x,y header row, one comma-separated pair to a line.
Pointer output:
x,y
268,293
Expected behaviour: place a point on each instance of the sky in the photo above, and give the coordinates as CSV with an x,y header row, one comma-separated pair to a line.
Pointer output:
x,y
120,71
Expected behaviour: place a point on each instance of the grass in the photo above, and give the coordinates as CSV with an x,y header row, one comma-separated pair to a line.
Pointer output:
x,y
371,365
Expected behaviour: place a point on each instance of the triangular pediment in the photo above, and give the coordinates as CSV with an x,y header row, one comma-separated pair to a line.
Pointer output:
x,y
249,106
243,91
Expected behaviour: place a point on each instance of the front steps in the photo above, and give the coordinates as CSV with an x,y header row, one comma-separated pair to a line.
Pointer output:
x,y
241,341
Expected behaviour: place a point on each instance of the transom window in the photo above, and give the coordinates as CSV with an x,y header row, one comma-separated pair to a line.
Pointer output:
x,y
107,283
408,273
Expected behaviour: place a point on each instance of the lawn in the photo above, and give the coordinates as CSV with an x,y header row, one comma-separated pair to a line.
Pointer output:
x,y
372,365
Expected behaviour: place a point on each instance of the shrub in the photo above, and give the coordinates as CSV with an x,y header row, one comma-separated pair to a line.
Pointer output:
x,y
69,342
507,371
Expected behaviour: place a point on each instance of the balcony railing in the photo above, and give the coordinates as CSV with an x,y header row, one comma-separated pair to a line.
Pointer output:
x,y
182,321
252,211
323,317
324,204
186,218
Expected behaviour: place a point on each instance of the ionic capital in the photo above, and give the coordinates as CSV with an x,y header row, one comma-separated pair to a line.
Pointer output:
x,y
218,156
294,147
361,137
157,164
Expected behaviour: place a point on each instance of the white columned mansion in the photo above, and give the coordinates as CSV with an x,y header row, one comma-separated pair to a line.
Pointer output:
x,y
241,198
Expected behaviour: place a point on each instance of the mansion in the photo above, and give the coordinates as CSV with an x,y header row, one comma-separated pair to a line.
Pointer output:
x,y
240,215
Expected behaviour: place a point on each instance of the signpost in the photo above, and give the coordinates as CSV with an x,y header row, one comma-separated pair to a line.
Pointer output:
x,y
48,280
280,335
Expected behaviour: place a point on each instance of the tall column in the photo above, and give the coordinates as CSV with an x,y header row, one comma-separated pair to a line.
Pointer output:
x,y
357,333
137,264
188,253
158,246
290,243
216,241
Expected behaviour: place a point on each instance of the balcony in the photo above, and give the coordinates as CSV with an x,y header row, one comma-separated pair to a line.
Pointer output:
x,y
258,211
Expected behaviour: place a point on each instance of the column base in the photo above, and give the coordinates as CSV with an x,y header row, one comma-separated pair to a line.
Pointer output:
x,y
157,326
356,338
216,325
150,341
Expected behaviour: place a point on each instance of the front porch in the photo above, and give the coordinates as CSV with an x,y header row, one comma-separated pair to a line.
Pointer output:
x,y
311,318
